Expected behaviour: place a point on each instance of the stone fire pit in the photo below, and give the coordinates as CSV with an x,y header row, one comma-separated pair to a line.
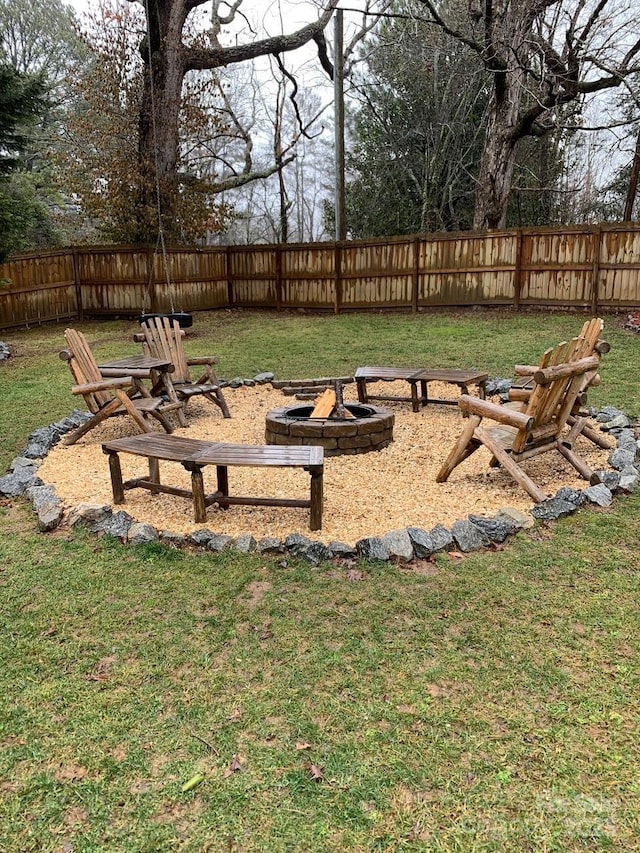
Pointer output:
x,y
370,428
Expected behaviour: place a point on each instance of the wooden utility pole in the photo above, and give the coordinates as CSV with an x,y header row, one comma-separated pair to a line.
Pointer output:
x,y
338,89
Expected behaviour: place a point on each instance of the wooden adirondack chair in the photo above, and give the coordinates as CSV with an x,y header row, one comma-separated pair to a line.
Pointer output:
x,y
162,338
587,343
107,397
532,427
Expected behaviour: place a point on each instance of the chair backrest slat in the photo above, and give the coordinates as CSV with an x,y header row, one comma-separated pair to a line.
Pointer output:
x,y
551,403
85,369
163,339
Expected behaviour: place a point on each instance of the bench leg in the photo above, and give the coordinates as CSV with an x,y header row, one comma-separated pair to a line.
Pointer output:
x,y
315,522
415,403
116,478
362,390
197,489
424,391
222,473
154,472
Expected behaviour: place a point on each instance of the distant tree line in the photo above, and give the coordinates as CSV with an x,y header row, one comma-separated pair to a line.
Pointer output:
x,y
183,120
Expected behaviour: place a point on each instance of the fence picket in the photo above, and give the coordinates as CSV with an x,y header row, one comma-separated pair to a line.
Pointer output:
x,y
594,266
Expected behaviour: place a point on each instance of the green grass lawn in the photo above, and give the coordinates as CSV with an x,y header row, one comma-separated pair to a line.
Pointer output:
x,y
489,703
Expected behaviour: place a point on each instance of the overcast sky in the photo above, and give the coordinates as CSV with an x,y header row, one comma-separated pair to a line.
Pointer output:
x,y
295,12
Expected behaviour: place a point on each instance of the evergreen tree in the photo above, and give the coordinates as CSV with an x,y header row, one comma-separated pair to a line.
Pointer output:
x,y
22,102
417,132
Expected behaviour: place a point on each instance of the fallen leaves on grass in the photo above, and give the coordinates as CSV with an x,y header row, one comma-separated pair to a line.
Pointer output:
x,y
356,575
102,670
234,767
70,773
315,773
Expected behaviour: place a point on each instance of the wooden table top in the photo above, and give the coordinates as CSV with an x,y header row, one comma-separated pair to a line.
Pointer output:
x,y
136,362
451,375
429,374
385,373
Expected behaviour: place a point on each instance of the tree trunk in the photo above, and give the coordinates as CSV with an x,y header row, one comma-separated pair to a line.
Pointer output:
x,y
167,60
499,152
159,116
633,183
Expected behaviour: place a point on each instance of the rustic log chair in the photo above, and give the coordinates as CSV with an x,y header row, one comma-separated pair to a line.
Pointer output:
x,y
531,427
587,342
162,338
107,397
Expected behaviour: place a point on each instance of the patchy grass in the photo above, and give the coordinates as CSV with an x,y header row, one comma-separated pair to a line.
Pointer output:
x,y
482,704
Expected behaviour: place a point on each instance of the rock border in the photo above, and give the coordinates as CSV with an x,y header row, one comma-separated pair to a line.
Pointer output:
x,y
397,546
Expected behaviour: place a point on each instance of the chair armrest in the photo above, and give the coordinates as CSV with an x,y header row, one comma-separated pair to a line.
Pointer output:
x,y
519,395
543,376
133,373
104,385
502,414
525,369
204,359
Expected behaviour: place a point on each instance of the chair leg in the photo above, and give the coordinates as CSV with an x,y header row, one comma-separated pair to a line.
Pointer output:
x,y
110,409
218,399
166,425
590,433
464,447
507,462
222,403
125,400
578,463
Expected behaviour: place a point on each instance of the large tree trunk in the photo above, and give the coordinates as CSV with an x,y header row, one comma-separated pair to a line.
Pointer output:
x,y
159,118
499,152
633,183
167,60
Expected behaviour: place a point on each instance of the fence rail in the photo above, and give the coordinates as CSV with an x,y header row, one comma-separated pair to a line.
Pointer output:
x,y
591,267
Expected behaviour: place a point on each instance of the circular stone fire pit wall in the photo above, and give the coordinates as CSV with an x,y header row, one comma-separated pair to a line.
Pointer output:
x,y
371,428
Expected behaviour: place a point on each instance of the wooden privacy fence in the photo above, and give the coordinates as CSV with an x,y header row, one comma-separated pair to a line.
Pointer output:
x,y
595,267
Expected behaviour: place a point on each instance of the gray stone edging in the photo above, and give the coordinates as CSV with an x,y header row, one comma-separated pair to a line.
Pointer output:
x,y
470,534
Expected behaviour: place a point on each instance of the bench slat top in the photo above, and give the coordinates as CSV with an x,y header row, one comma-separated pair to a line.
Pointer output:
x,y
178,449
261,455
160,445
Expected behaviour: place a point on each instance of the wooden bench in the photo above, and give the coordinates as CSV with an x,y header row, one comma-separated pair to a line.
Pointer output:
x,y
419,397
195,454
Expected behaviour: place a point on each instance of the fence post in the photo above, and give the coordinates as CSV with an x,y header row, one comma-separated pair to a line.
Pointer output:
x,y
596,239
76,283
517,272
227,260
278,277
337,290
415,284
